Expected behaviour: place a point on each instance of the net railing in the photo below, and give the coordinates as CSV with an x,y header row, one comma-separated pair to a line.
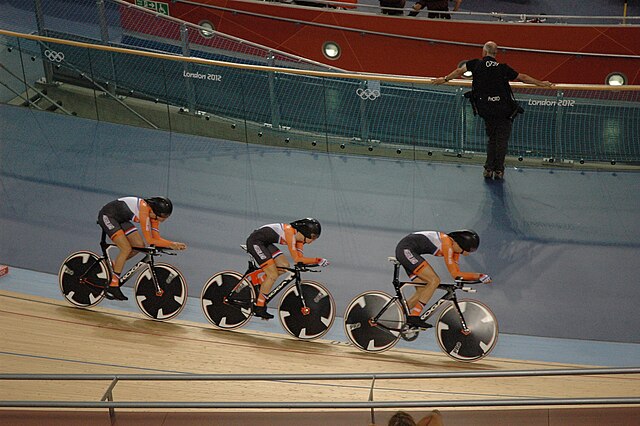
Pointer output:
x,y
318,110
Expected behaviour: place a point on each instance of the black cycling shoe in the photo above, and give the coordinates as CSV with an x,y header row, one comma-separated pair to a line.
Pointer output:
x,y
261,311
415,321
114,293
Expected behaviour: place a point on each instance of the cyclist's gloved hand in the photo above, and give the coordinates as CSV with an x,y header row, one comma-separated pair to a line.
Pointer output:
x,y
323,262
177,246
484,278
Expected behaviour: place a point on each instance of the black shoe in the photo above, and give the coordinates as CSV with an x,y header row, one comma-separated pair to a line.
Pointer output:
x,y
415,321
487,174
114,293
498,175
261,311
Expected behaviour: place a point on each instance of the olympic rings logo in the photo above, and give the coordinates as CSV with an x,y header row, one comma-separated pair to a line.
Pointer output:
x,y
54,56
368,94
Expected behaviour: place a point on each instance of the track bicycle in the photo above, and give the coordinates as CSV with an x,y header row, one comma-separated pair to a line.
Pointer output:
x,y
466,330
306,309
160,289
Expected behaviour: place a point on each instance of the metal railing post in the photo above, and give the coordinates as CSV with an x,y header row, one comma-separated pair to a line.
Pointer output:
x,y
558,152
186,52
364,121
48,67
460,129
373,415
273,98
108,396
104,35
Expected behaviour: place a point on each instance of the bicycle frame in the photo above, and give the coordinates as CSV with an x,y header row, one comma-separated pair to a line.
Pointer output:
x,y
147,259
294,276
398,285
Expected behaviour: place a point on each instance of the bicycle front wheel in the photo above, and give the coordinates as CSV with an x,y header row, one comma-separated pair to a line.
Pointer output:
x,y
171,302
311,321
227,300
82,278
469,346
363,332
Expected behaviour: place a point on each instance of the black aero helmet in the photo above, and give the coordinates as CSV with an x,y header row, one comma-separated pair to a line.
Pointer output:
x,y
467,239
161,206
309,227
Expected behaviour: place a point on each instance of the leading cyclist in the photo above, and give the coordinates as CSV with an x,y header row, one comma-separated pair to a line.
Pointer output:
x,y
409,253
261,245
116,218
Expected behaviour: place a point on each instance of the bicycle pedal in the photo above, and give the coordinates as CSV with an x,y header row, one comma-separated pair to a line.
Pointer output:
x,y
410,333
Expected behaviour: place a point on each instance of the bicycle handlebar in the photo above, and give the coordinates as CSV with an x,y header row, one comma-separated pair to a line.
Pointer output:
x,y
153,250
302,267
467,282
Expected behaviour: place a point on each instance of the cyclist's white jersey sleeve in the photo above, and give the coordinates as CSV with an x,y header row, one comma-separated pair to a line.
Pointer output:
x,y
278,228
134,205
435,239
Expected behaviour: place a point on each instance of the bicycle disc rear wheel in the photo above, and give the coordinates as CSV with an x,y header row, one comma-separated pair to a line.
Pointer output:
x,y
227,300
173,299
366,335
312,321
482,336
88,267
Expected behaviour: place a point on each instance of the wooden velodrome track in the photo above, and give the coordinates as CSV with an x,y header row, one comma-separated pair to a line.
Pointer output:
x,y
47,336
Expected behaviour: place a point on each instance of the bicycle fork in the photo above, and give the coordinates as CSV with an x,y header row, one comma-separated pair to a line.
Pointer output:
x,y
292,276
305,310
148,259
465,330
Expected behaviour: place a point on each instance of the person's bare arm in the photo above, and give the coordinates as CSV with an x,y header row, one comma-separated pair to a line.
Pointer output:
x,y
530,80
453,74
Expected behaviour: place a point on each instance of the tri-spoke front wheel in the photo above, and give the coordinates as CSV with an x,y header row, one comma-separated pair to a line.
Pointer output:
x,y
172,298
474,343
311,320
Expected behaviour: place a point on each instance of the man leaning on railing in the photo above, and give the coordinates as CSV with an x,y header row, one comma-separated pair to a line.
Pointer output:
x,y
492,99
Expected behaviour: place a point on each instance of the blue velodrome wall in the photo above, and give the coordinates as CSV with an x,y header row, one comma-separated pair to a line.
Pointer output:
x,y
562,245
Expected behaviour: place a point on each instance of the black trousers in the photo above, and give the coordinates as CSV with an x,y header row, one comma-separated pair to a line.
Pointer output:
x,y
499,132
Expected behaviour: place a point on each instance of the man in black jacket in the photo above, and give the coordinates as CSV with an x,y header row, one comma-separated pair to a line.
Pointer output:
x,y
493,99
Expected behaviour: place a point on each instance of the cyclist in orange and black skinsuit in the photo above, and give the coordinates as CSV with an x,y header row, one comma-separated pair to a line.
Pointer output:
x,y
116,218
261,245
450,246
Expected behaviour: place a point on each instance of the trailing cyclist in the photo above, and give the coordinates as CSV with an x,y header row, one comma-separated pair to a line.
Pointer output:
x,y
261,246
450,246
116,218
